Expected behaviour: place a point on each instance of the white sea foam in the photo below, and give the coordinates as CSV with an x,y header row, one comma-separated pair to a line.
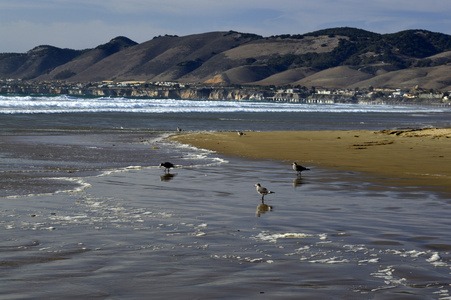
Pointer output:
x,y
264,236
435,257
82,184
331,260
68,104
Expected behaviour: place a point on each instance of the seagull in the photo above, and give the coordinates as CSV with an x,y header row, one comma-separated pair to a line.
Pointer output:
x,y
299,168
179,129
240,133
167,166
262,191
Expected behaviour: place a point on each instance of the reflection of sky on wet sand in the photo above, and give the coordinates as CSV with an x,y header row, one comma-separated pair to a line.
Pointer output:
x,y
205,226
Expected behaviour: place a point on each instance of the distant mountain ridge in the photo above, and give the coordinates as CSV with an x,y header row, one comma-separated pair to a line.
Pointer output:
x,y
331,58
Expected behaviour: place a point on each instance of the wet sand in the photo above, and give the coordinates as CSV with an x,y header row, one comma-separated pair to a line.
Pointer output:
x,y
203,232
403,157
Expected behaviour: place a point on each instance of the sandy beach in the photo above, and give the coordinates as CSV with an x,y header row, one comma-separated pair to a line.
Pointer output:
x,y
403,157
90,205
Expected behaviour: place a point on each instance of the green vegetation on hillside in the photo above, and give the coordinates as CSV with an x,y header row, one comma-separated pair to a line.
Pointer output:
x,y
359,47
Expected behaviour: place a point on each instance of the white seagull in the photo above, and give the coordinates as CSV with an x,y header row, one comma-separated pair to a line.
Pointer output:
x,y
262,191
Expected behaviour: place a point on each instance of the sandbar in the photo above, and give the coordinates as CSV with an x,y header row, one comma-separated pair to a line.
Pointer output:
x,y
401,157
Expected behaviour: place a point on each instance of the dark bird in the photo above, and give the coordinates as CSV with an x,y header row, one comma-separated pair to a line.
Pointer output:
x,y
262,191
299,168
240,133
167,166
179,129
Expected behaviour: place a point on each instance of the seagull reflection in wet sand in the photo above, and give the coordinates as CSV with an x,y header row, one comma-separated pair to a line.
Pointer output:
x,y
298,181
167,177
262,208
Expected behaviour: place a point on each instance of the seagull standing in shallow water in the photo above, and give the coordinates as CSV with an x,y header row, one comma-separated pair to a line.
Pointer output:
x,y
262,191
167,166
299,168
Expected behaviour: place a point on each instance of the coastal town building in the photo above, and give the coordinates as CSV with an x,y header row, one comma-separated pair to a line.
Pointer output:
x,y
203,91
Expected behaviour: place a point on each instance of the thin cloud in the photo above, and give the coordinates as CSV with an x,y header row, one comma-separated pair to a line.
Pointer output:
x,y
83,24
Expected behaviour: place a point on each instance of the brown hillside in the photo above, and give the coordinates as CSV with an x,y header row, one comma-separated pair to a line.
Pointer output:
x,y
337,77
256,53
162,59
87,59
428,78
262,49
35,62
286,77
247,74
331,58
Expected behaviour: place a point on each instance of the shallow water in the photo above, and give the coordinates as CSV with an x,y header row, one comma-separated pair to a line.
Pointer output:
x,y
198,233
85,212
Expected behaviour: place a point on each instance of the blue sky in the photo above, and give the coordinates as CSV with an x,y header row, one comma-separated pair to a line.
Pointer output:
x,y
81,24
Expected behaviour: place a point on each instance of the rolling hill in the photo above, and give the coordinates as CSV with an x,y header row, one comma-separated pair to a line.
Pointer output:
x,y
331,58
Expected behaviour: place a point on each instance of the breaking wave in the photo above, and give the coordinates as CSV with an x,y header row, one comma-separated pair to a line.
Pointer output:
x,y
70,104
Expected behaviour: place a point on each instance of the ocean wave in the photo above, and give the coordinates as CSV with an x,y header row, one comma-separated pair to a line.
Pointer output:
x,y
70,104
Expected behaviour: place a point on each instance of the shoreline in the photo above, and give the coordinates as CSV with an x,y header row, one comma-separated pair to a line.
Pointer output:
x,y
172,90
407,157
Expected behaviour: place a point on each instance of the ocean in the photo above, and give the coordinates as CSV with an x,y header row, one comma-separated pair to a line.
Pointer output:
x,y
86,212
